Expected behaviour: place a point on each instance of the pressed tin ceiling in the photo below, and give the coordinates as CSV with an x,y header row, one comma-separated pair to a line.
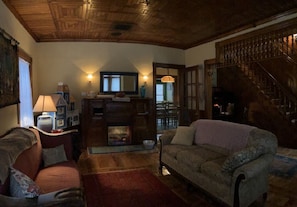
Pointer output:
x,y
172,23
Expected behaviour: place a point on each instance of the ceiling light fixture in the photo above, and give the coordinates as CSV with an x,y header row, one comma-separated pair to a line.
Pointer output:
x,y
167,78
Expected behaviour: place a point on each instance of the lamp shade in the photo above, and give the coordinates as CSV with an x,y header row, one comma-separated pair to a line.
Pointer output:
x,y
44,104
167,79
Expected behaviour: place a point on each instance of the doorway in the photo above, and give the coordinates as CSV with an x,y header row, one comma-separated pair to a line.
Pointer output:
x,y
167,98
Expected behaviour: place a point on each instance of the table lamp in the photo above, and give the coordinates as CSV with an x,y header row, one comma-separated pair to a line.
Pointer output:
x,y
45,104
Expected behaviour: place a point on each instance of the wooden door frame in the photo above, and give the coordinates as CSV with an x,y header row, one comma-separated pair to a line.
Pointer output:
x,y
190,116
179,80
208,67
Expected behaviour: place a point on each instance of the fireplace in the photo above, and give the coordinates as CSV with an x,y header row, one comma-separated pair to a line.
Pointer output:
x,y
119,135
135,120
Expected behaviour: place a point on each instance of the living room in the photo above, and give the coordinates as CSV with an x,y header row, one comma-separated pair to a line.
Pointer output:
x,y
71,62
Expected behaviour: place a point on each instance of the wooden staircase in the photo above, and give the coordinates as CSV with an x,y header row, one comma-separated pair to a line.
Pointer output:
x,y
249,53
255,54
283,100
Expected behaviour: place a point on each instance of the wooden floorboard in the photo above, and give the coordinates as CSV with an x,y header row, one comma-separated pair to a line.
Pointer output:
x,y
282,192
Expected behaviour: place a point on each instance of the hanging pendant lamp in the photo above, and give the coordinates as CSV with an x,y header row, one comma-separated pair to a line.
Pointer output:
x,y
167,78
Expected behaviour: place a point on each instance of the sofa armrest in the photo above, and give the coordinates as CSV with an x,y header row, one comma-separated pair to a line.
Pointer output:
x,y
254,167
50,140
71,197
250,173
167,136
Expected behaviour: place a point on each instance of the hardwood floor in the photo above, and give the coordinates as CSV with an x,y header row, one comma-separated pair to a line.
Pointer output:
x,y
282,192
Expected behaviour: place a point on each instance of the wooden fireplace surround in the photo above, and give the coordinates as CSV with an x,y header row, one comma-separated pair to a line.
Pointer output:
x,y
99,113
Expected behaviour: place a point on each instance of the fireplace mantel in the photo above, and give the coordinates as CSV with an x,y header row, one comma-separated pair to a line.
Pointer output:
x,y
99,113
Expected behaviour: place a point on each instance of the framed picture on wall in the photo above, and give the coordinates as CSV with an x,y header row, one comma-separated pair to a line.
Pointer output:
x,y
9,78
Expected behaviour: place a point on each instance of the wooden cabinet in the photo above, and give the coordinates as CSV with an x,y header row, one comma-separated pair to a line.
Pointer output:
x,y
100,113
93,124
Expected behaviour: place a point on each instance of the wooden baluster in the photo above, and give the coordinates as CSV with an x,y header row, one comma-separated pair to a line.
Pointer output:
x,y
260,48
223,57
278,44
248,50
282,43
235,53
243,51
290,38
272,39
227,53
254,53
264,52
275,45
239,51
222,54
266,41
287,45
270,49
255,44
230,53
233,49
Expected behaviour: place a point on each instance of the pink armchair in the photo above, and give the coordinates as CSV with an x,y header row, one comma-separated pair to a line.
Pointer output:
x,y
59,180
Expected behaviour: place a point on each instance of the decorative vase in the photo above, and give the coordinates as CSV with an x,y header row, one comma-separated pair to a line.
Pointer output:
x,y
142,91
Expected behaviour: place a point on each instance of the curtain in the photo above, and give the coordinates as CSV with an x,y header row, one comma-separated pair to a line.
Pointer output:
x,y
26,111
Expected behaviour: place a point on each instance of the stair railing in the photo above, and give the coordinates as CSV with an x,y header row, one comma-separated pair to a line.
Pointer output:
x,y
283,99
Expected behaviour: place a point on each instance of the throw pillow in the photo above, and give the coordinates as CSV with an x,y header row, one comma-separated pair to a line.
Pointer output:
x,y
53,155
22,186
184,135
241,157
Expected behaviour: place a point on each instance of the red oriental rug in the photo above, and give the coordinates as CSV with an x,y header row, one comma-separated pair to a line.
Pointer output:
x,y
127,189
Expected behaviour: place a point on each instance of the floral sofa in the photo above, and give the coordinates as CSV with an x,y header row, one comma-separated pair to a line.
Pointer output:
x,y
38,169
229,161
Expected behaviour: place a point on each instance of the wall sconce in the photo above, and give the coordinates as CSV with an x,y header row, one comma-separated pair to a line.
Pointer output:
x,y
90,77
145,78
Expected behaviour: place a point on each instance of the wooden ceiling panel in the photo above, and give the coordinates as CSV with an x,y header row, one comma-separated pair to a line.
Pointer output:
x,y
172,23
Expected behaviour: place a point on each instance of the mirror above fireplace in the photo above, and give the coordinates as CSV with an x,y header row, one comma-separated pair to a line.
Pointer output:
x,y
115,82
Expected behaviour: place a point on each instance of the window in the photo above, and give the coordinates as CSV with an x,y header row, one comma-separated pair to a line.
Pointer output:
x,y
159,92
164,92
25,107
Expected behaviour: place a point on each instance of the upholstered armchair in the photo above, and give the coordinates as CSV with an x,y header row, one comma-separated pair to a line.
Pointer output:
x,y
55,176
